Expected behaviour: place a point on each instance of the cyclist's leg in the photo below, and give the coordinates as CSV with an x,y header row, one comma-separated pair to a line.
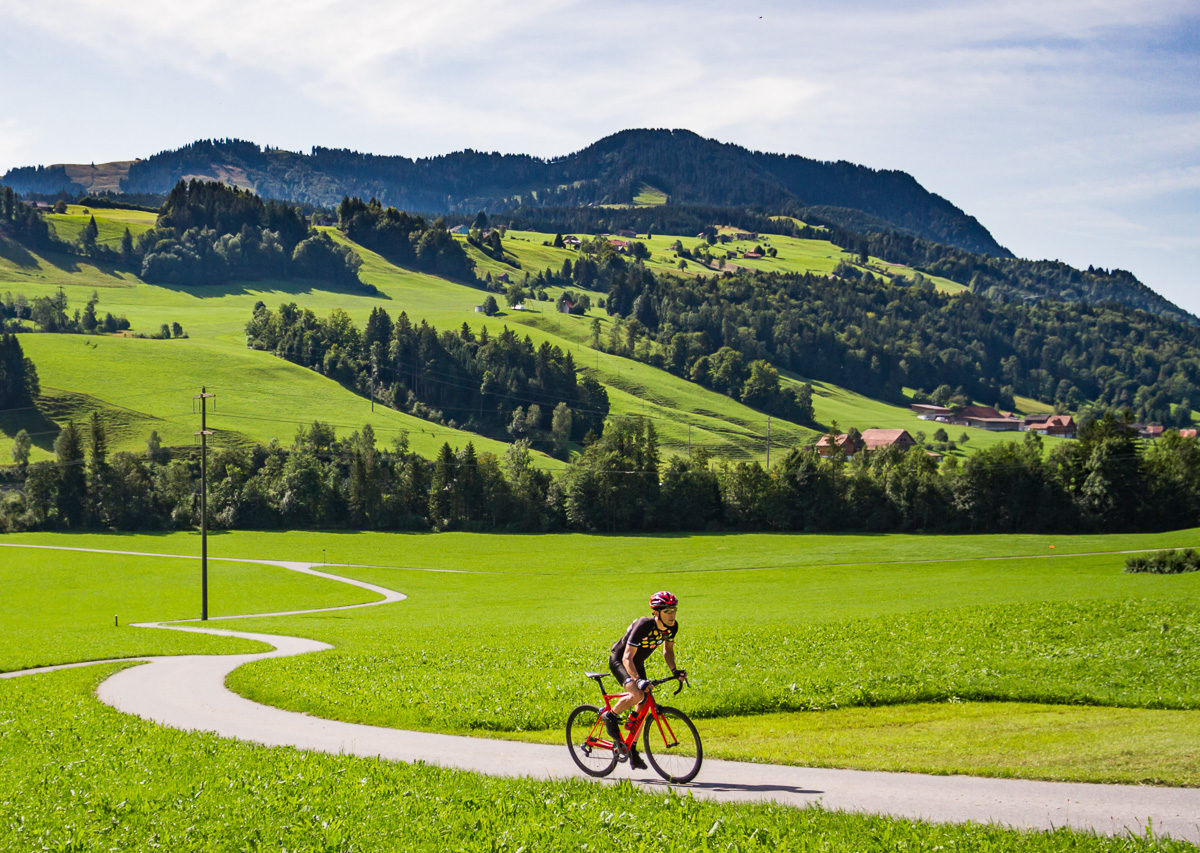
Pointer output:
x,y
633,696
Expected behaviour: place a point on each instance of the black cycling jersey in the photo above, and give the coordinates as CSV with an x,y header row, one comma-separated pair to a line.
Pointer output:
x,y
645,634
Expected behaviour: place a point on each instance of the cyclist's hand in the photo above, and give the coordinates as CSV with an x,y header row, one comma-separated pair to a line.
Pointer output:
x,y
681,674
645,685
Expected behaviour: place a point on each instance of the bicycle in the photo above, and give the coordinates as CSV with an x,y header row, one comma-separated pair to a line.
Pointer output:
x,y
670,743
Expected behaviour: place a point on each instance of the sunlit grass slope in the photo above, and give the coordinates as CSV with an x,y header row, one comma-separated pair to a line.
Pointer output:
x,y
149,384
126,381
110,223
793,255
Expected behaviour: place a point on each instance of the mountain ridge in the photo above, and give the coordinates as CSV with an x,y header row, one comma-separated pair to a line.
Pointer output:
x,y
689,168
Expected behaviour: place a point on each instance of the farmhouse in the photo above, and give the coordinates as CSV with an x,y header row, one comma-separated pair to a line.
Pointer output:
x,y
752,255
871,439
1187,433
827,445
878,439
571,240
619,245
1063,425
461,230
566,306
625,232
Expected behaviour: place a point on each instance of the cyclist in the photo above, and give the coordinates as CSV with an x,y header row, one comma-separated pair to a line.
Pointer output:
x,y
627,661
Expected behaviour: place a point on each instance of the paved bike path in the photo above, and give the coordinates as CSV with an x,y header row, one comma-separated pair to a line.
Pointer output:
x,y
188,692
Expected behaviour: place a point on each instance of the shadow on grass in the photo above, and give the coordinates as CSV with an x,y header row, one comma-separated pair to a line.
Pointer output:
x,y
70,264
42,431
17,254
268,286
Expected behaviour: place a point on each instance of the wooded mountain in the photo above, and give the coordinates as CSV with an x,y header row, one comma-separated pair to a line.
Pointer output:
x,y
688,168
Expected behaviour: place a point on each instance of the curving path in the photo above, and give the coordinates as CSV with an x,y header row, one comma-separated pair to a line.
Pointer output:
x,y
188,692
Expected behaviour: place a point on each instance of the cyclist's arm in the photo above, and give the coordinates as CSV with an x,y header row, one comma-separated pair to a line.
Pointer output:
x,y
669,655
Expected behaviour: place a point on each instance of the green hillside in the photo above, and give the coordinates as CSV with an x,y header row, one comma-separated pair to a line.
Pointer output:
x,y
110,223
533,251
142,385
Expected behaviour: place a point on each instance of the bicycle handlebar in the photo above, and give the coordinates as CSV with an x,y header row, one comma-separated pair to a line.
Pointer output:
x,y
681,679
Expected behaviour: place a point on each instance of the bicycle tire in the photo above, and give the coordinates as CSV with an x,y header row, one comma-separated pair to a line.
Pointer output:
x,y
582,727
678,761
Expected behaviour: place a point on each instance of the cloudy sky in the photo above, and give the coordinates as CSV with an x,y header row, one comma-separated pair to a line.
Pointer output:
x,y
1070,129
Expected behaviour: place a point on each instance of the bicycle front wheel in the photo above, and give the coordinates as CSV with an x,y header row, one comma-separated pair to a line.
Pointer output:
x,y
591,750
672,745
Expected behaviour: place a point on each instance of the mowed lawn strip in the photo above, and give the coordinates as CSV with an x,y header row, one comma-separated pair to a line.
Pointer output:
x,y
79,775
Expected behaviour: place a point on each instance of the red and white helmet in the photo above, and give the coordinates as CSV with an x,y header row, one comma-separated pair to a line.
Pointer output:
x,y
663,599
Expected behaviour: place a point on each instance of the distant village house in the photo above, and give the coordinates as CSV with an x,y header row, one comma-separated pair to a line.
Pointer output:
x,y
869,440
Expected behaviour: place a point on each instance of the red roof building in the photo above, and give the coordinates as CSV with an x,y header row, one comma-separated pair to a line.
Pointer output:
x,y
878,439
827,444
1063,425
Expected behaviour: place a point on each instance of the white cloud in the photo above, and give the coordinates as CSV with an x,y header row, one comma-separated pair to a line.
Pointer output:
x,y
1047,119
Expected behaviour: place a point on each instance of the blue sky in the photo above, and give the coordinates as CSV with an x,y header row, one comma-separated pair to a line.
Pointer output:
x,y
1070,129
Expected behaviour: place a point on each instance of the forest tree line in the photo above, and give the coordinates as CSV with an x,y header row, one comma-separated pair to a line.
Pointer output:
x,y
1107,480
494,384
877,338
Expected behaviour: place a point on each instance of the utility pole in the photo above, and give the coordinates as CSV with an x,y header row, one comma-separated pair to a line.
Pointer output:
x,y
768,442
204,433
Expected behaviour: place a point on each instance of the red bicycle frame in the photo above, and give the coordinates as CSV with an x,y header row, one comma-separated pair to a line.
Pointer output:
x,y
637,719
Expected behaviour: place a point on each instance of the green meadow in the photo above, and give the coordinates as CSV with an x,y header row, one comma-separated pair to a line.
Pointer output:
x,y
1024,656
110,223
143,385
1031,656
81,776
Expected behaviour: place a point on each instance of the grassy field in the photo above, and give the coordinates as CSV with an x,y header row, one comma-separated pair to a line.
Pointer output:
x,y
895,652
65,606
80,776
149,384
893,636
110,223
138,386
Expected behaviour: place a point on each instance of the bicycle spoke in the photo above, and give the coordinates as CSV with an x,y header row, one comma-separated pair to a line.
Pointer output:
x,y
672,745
589,745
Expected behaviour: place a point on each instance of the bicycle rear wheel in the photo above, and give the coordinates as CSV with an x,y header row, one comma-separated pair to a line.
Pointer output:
x,y
672,745
590,747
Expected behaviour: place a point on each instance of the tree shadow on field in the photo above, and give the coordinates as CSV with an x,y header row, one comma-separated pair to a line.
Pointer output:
x,y
17,254
273,288
70,264
42,431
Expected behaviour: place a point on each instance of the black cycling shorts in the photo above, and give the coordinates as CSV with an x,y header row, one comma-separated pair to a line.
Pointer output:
x,y
617,668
